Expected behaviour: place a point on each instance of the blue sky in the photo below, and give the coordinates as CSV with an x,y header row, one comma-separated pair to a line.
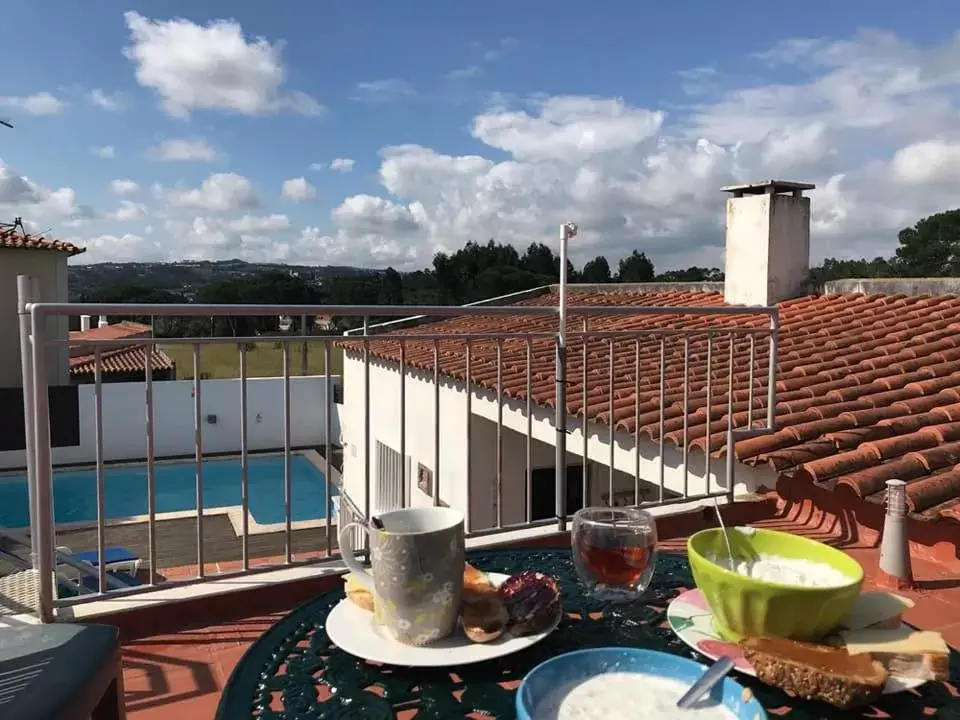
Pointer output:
x,y
608,111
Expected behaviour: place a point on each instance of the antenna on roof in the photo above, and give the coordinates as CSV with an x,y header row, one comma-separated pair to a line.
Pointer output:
x,y
7,123
15,225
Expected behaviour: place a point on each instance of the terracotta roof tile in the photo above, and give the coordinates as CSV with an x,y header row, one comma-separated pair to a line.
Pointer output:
x,y
115,358
15,239
868,386
122,360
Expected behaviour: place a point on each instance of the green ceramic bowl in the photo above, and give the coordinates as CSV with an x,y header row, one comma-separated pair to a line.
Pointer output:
x,y
744,606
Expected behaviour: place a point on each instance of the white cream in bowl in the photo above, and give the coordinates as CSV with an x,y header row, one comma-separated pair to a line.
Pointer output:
x,y
625,695
786,571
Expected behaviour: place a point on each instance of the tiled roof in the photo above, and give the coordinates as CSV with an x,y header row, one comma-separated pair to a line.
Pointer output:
x,y
116,331
868,387
115,359
16,239
122,360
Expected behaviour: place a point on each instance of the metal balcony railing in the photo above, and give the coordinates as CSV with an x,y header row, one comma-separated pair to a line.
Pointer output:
x,y
714,382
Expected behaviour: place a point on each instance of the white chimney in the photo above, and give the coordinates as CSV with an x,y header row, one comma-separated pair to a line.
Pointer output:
x,y
768,242
84,323
103,321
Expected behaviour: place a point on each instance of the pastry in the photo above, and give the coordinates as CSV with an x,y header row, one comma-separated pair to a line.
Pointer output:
x,y
533,602
485,618
357,593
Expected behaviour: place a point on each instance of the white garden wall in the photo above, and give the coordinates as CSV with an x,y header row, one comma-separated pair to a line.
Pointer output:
x,y
124,419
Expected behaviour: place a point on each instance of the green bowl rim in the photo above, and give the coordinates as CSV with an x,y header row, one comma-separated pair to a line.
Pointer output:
x,y
754,581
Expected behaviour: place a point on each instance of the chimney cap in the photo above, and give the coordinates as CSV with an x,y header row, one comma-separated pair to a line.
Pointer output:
x,y
768,187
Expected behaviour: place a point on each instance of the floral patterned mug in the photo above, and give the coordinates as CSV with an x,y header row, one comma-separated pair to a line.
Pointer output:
x,y
416,571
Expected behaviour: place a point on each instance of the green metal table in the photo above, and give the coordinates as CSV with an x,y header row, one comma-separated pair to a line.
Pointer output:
x,y
294,672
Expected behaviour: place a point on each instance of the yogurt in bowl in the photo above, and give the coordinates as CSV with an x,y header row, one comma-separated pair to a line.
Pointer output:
x,y
794,587
604,683
799,572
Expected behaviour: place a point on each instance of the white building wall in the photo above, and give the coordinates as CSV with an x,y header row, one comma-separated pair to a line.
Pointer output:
x,y
385,427
124,419
50,269
385,424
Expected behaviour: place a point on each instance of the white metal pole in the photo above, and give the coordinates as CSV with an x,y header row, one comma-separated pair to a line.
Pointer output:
x,y
567,231
25,297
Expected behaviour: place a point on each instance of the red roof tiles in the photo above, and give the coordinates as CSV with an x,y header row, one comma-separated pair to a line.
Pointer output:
x,y
113,359
17,240
123,360
868,387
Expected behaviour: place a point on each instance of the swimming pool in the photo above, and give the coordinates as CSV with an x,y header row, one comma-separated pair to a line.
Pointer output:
x,y
125,490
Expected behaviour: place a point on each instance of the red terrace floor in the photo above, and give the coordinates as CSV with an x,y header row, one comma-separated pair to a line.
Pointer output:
x,y
181,674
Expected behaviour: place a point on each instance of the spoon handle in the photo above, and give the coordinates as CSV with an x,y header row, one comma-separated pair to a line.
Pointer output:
x,y
714,674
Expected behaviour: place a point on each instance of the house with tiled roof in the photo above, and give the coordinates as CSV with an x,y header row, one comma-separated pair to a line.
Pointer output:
x,y
123,362
668,394
46,260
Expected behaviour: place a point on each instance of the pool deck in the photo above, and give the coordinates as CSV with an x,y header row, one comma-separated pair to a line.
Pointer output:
x,y
176,542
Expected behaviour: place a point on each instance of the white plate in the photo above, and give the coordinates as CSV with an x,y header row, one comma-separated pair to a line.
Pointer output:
x,y
691,621
353,630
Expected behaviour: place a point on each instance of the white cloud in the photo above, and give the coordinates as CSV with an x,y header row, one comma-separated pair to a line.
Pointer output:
x,y
106,151
40,206
124,187
343,165
111,102
129,211
873,120
298,189
211,67
383,91
42,103
567,128
219,193
183,150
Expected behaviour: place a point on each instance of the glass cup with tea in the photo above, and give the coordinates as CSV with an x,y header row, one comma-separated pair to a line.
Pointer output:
x,y
614,550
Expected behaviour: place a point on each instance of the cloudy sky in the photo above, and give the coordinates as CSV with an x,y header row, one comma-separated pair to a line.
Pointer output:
x,y
376,134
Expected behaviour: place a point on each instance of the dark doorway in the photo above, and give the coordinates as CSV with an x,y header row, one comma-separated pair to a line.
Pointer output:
x,y
543,490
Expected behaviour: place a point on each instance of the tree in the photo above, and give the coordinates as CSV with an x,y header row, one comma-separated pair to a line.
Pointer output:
x,y
391,288
596,271
692,274
931,248
636,268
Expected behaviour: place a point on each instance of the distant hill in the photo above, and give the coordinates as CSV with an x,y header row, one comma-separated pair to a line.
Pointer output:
x,y
187,277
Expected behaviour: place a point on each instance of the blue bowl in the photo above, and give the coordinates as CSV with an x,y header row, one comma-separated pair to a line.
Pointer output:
x,y
584,664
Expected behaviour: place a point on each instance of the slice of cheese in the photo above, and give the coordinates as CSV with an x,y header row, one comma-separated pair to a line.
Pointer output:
x,y
873,608
904,652
902,641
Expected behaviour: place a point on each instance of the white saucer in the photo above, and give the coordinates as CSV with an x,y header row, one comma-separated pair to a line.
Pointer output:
x,y
353,630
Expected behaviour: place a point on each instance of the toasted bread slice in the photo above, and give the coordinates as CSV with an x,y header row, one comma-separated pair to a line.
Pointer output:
x,y
904,652
816,672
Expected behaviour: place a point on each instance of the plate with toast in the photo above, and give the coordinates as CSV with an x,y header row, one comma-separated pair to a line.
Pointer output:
x,y
874,653
499,615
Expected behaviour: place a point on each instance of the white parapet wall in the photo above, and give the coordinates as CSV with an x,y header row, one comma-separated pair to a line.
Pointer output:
x,y
125,419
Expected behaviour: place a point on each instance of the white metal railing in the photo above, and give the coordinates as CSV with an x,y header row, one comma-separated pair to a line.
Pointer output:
x,y
715,343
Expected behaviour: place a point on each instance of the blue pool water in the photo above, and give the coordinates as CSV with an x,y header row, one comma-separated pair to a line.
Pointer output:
x,y
125,490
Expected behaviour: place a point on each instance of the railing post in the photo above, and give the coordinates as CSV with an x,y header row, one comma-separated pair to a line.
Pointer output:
x,y
43,469
26,296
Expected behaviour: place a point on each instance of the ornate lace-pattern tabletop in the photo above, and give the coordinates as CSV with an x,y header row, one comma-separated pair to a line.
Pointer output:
x,y
293,671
